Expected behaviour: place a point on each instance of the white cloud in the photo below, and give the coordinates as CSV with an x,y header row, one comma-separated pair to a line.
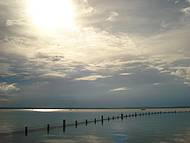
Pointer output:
x,y
53,75
6,87
91,77
126,74
119,89
188,1
112,16
156,83
186,10
187,83
18,22
183,72
84,9
166,65
177,1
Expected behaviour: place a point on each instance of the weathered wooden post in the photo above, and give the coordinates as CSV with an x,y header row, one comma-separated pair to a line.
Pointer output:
x,y
26,131
102,119
64,125
76,123
48,127
121,116
86,122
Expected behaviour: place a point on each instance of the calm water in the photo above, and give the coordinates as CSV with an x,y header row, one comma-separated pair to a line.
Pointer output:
x,y
164,128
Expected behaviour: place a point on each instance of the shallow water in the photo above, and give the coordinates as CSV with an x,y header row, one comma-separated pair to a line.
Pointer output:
x,y
164,128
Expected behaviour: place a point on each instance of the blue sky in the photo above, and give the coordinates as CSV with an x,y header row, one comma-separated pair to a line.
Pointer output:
x,y
94,53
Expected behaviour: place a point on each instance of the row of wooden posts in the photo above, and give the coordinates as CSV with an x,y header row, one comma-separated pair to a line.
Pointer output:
x,y
121,116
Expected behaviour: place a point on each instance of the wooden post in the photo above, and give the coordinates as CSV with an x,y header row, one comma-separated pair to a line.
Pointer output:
x,y
121,116
26,131
95,120
48,127
76,123
113,118
64,125
102,119
108,118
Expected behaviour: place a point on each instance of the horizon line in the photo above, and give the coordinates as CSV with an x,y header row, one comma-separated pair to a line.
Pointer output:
x,y
134,107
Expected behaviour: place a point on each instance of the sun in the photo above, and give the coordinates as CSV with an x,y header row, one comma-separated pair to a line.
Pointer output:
x,y
52,14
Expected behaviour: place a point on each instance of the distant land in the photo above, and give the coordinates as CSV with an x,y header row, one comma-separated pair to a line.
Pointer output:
x,y
151,107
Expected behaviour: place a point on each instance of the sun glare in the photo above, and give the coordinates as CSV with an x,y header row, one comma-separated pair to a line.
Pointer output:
x,y
52,14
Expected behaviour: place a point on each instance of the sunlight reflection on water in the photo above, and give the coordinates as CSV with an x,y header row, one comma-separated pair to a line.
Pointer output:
x,y
170,128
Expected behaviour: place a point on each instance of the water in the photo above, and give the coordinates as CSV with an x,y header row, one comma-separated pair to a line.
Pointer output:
x,y
164,128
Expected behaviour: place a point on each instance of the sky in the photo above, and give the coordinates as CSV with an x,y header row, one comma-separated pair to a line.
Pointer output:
x,y
94,53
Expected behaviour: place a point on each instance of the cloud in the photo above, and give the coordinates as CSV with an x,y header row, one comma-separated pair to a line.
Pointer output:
x,y
53,75
3,99
183,72
187,83
17,22
125,74
186,10
177,1
91,77
112,16
188,1
6,87
156,83
93,49
119,89
4,70
84,9
168,65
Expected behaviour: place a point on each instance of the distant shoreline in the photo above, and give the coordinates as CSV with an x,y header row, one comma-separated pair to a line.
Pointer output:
x,y
162,107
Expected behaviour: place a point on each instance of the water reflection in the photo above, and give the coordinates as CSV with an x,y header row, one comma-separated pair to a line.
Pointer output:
x,y
47,110
142,129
